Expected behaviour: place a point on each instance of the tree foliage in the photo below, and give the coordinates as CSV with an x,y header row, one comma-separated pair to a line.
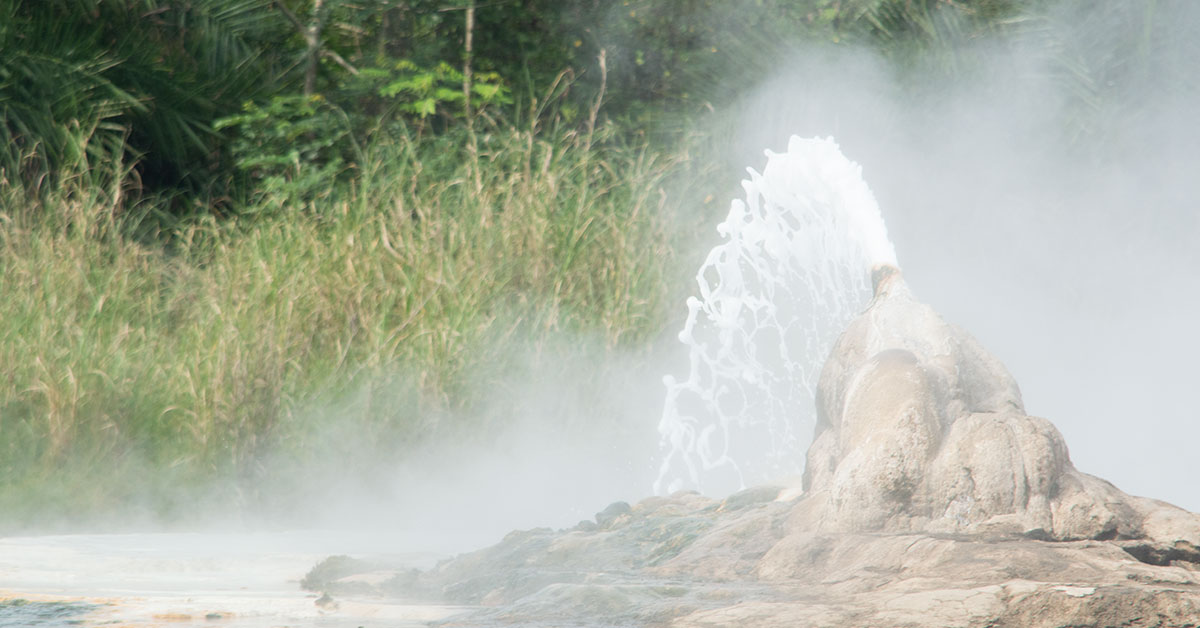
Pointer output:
x,y
189,89
152,72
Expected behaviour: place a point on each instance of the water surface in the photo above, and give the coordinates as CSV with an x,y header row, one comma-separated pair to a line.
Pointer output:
x,y
190,579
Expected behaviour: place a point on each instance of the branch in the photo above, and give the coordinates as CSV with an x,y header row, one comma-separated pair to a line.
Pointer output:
x,y
290,16
337,58
482,6
599,96
470,31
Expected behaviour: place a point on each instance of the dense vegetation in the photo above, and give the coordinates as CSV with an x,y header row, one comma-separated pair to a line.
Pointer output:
x,y
218,215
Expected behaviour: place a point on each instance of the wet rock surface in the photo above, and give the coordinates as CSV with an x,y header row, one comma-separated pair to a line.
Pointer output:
x,y
929,499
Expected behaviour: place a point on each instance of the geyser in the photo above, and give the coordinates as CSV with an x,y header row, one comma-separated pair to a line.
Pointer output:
x,y
921,429
793,270
930,498
917,426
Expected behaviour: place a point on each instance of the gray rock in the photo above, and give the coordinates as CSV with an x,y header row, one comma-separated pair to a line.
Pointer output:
x,y
921,429
749,497
610,515
929,499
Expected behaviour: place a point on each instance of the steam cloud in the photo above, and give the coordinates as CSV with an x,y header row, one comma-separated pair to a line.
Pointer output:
x,y
1047,209
1053,217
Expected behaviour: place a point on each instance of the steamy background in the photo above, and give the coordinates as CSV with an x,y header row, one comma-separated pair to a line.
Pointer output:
x,y
1053,218
1037,173
1044,199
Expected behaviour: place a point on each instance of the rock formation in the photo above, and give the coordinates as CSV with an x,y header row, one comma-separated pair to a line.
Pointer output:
x,y
929,499
919,428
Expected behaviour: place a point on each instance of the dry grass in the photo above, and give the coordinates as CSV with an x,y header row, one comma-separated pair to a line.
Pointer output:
x,y
183,364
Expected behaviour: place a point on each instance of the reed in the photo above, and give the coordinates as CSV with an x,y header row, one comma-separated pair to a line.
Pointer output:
x,y
133,368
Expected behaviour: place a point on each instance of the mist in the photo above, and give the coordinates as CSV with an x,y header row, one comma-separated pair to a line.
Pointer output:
x,y
1039,185
1051,216
1060,233
569,429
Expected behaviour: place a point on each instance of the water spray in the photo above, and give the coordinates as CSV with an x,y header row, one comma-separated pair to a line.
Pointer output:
x,y
795,266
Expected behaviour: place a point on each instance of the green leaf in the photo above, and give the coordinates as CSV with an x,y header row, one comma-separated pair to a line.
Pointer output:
x,y
445,94
425,107
487,91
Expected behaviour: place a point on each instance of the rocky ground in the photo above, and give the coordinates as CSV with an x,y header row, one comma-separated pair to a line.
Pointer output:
x,y
929,498
686,560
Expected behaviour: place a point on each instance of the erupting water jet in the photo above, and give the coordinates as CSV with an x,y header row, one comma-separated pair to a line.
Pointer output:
x,y
930,498
917,426
793,270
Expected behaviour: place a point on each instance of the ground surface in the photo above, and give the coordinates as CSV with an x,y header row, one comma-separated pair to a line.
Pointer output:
x,y
687,561
181,580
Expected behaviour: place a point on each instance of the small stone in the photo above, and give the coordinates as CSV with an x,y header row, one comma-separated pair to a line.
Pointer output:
x,y
605,518
750,497
326,602
1076,591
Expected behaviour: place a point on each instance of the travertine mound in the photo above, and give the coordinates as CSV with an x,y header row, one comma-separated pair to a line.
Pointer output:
x,y
929,499
921,429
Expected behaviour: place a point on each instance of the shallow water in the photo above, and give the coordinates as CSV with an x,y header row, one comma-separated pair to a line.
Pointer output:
x,y
189,579
20,612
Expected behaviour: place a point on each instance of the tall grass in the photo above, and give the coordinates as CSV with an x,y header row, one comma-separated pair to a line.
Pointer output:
x,y
130,369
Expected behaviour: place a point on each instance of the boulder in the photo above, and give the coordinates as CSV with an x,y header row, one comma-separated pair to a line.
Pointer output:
x,y
919,428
